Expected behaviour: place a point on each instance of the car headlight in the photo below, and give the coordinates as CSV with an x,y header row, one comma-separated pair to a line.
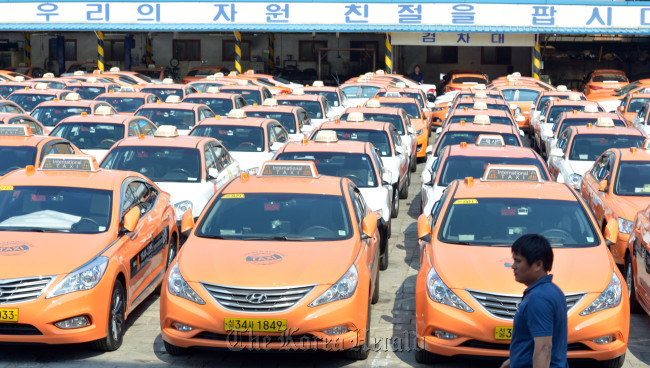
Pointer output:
x,y
83,278
251,171
419,132
575,180
179,287
342,289
625,226
440,293
181,207
609,298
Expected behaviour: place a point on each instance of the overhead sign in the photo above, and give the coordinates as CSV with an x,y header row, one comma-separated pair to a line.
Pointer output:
x,y
539,17
463,39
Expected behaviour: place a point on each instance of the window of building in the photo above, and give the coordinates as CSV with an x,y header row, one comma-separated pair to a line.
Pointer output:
x,y
187,50
364,57
309,50
442,54
113,50
496,55
70,49
228,47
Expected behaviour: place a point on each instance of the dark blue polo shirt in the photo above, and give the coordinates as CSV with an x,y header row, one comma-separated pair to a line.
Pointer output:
x,y
542,312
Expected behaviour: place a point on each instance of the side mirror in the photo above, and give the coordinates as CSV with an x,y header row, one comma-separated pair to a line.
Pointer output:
x,y
213,173
602,185
427,177
542,118
187,222
424,228
399,149
369,226
438,130
611,232
410,130
276,146
131,218
521,133
386,177
557,152
620,108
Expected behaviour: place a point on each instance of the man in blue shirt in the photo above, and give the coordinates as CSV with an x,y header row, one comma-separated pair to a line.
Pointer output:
x,y
539,337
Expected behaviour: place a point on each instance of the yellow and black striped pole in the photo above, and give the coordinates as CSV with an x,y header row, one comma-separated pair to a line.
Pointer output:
x,y
389,54
271,52
100,50
147,50
28,49
238,51
537,58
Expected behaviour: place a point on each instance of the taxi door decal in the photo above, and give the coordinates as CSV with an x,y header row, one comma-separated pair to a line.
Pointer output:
x,y
145,255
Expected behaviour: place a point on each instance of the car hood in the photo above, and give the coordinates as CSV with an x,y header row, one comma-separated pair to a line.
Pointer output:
x,y
580,167
265,263
248,160
488,269
629,206
28,254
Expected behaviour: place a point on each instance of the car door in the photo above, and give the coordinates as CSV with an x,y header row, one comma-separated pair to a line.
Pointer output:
x,y
371,249
598,198
554,162
227,166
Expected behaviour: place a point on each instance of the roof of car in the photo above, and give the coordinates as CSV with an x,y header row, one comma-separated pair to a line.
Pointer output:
x,y
277,108
100,179
32,91
247,121
224,95
616,130
186,141
126,94
361,125
164,86
327,185
470,127
99,119
514,189
176,106
489,151
340,146
305,97
83,103
375,110
32,140
404,99
250,87
472,112
568,115
324,88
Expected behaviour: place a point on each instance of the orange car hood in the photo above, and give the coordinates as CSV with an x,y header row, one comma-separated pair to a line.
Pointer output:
x,y
630,205
265,263
26,254
489,269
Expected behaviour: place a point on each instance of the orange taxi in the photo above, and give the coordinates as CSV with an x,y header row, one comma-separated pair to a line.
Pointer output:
x,y
497,116
632,104
253,94
55,83
637,263
8,87
85,247
603,81
616,188
183,115
36,127
461,81
8,75
466,295
523,96
243,282
92,88
536,107
219,103
317,106
49,113
359,90
127,103
275,84
200,72
10,107
293,118
29,98
418,120
169,88
337,99
400,90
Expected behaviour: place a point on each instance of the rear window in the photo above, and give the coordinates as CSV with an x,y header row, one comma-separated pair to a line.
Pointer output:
x,y
451,138
613,78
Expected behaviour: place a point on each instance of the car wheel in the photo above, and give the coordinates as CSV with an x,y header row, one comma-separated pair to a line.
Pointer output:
x,y
175,350
425,357
395,208
414,165
362,351
116,312
635,307
404,193
613,363
173,250
383,252
375,293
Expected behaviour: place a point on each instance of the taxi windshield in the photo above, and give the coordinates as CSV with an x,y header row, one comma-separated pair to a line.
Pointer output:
x,y
150,73
160,164
587,147
7,90
55,209
313,108
51,115
360,91
633,179
357,167
555,111
498,96
90,135
386,118
332,97
278,217
520,95
414,95
234,138
460,167
378,138
451,138
636,104
503,220
287,119
565,123
29,101
124,104
501,107
180,118
16,158
412,109
502,120
203,86
87,92
163,93
251,96
220,106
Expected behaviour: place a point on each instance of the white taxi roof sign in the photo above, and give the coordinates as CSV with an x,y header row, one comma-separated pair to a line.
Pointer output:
x,y
48,75
104,110
480,106
305,169
270,102
490,140
114,69
167,81
373,103
480,86
298,91
604,121
73,96
218,75
326,136
236,114
561,88
355,117
400,85
79,72
512,173
574,97
242,82
41,86
166,131
16,130
212,89
482,119
173,99
318,84
19,78
393,94
591,109
70,162
91,79
480,95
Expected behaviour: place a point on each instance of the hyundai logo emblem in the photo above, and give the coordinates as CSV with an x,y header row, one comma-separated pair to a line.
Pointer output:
x,y
256,298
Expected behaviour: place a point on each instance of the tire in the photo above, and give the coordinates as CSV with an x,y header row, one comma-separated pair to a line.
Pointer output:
x,y
383,258
361,352
375,293
404,193
390,228
425,357
172,251
635,307
116,320
394,211
613,363
175,350
414,165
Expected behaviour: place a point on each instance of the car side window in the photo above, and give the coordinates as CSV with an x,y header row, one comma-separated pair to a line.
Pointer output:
x,y
266,93
138,193
280,134
271,135
355,205
597,167
437,206
562,142
63,148
152,99
223,158
133,128
146,127
305,117
210,159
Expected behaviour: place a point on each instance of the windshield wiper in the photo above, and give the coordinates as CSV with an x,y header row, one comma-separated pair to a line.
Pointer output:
x,y
457,242
281,237
34,229
212,236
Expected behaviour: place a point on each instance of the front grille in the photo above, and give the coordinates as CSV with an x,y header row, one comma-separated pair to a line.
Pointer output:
x,y
505,306
273,300
18,329
23,290
257,337
496,346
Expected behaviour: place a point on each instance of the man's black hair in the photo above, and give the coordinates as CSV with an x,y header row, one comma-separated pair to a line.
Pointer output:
x,y
534,247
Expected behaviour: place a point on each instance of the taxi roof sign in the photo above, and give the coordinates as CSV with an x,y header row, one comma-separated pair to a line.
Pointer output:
x,y
380,72
591,109
355,117
480,95
270,102
561,88
480,106
70,162
41,86
166,131
298,91
173,99
114,69
374,103
236,114
15,130
79,72
481,119
219,75
242,82
305,169
212,89
400,85
104,110
19,78
318,84
167,81
490,140
91,79
512,173
73,96
574,97
480,86
604,122
326,136
48,75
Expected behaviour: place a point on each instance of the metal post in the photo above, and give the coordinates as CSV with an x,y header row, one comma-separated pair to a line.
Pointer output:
x,y
537,56
238,51
148,54
28,49
128,45
60,48
271,53
389,54
100,50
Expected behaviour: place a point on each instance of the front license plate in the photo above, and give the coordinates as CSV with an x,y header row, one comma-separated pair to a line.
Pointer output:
x,y
255,324
8,315
503,332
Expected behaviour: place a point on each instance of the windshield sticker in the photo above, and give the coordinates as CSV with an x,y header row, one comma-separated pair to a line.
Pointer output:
x,y
236,196
14,248
508,212
465,237
6,187
516,230
466,201
342,232
590,239
264,258
271,206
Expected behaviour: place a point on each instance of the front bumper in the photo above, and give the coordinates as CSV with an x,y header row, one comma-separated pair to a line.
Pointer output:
x,y
422,142
618,248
